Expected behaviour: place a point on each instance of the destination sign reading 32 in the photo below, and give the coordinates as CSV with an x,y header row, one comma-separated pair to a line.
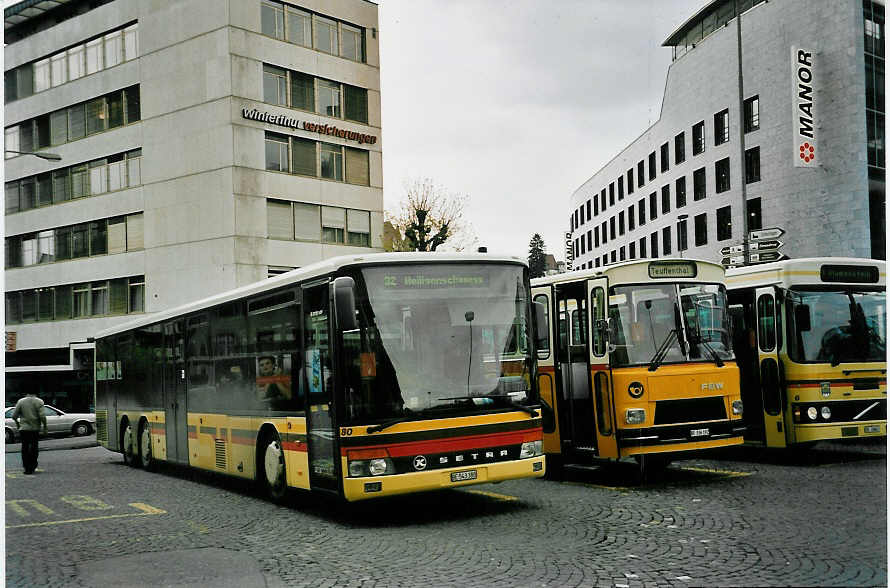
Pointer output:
x,y
421,281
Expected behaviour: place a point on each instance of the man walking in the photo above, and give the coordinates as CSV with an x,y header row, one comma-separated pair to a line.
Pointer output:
x,y
30,410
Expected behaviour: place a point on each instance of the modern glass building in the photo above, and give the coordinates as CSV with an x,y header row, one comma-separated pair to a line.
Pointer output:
x,y
202,145
795,142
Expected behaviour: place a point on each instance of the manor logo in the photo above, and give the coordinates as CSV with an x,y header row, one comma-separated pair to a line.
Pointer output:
x,y
803,116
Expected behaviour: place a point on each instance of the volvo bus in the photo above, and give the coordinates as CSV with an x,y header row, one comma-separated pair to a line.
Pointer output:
x,y
811,343
639,363
360,376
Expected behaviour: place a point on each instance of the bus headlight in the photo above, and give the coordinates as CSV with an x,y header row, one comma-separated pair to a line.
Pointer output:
x,y
357,468
377,467
736,407
531,449
635,416
826,413
369,462
812,413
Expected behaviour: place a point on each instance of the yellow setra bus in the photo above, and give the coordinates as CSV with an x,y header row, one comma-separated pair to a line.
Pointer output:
x,y
639,363
359,376
811,345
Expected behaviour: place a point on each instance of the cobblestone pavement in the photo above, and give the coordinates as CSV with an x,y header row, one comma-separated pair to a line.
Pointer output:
x,y
748,518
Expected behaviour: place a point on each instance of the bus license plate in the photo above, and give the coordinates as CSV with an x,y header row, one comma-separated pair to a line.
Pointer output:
x,y
872,428
463,476
699,433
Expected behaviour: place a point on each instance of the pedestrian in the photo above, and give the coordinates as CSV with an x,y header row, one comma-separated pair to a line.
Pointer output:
x,y
30,410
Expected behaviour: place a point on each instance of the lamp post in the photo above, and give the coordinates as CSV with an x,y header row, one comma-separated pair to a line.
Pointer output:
x,y
681,243
41,155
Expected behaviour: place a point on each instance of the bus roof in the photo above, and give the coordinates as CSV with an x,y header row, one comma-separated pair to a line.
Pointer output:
x,y
318,269
626,270
806,271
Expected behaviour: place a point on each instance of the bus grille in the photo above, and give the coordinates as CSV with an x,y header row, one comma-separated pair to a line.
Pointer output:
x,y
690,410
102,425
221,453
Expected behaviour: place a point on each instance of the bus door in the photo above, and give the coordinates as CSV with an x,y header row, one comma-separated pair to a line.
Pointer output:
x,y
324,470
575,400
768,359
174,392
546,372
600,371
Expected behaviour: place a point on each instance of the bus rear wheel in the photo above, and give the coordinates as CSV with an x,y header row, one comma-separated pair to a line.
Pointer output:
x,y
272,470
128,446
145,456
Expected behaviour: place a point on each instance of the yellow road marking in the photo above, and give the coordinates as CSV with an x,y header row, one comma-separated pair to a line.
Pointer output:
x,y
20,475
495,495
729,473
145,508
16,505
602,486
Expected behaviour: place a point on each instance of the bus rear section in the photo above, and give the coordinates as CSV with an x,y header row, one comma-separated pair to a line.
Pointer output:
x,y
811,345
359,377
640,363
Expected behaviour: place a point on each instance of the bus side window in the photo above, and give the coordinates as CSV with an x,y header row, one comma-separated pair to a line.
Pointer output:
x,y
766,317
544,330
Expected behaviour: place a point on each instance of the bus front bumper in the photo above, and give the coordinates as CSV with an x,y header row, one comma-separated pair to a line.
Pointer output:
x,y
674,438
808,433
438,479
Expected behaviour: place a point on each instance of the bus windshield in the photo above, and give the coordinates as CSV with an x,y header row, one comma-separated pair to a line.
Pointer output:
x,y
438,339
844,326
690,319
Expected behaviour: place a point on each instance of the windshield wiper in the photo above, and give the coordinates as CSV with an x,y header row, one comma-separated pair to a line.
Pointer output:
x,y
662,351
714,355
502,397
407,416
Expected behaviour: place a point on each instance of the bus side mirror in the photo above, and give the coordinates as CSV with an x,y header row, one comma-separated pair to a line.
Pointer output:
x,y
542,328
344,303
802,317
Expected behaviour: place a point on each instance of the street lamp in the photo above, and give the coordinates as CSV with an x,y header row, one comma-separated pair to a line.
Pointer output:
x,y
46,156
681,237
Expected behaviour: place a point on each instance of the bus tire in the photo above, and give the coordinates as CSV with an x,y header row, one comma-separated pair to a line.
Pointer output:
x,y
128,446
146,458
271,469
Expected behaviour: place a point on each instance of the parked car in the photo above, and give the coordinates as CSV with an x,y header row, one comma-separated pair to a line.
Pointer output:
x,y
57,423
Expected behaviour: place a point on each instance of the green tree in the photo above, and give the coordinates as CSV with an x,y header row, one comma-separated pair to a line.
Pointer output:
x,y
428,218
536,256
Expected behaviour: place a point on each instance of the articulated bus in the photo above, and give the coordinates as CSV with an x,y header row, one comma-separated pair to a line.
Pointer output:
x,y
810,338
360,377
639,363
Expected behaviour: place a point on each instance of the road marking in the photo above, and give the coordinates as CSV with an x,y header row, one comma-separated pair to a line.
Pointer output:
x,y
495,495
16,505
84,502
20,474
146,510
729,473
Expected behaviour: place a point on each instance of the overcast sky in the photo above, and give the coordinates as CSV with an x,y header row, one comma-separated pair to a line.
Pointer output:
x,y
516,103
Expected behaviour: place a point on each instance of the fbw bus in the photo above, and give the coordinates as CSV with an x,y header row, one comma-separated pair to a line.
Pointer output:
x,y
811,343
639,363
359,376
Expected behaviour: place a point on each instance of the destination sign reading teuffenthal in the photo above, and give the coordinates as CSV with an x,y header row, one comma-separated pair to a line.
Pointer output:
x,y
290,122
672,269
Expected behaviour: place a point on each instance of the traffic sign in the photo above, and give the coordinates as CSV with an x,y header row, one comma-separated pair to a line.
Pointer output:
x,y
771,233
737,260
732,249
765,245
765,257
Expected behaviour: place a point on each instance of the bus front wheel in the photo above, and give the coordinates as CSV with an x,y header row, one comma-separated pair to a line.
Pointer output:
x,y
273,471
129,447
145,456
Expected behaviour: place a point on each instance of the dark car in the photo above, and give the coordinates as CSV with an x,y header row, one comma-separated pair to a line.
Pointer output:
x,y
57,423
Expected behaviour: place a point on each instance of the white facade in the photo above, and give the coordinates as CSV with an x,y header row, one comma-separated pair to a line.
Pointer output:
x,y
825,208
203,188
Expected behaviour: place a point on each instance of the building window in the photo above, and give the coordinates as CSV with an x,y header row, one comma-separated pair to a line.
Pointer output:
x,y
630,181
596,236
299,26
724,223
680,189
632,250
643,248
589,240
755,221
613,257
752,114
640,174
666,241
328,98
287,23
603,228
721,172
653,244
358,166
621,223
612,228
653,205
352,44
272,19
641,207
620,188
596,205
698,138
298,221
679,148
681,235
721,127
631,220
274,85
612,194
326,39
665,199
277,153
621,254
331,157
603,200
701,229
588,210
698,184
665,158
752,165
651,166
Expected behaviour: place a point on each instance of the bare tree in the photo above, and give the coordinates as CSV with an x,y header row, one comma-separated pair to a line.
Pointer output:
x,y
428,218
